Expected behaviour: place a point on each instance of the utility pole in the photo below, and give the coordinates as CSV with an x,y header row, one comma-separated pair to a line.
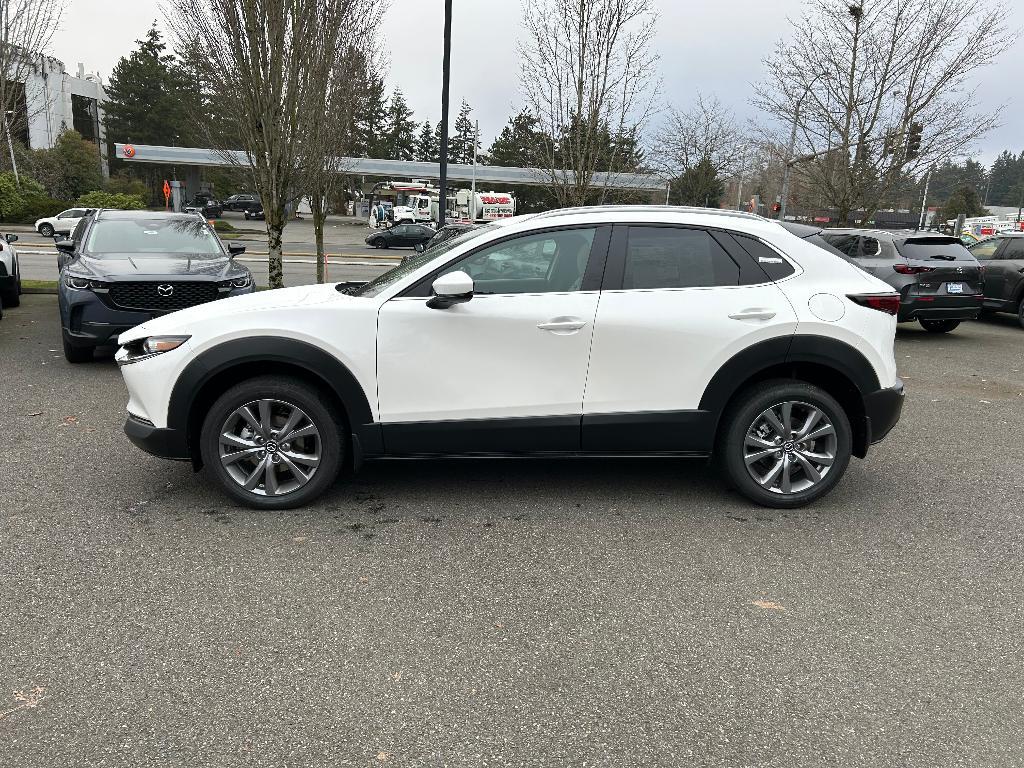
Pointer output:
x,y
743,172
924,201
446,71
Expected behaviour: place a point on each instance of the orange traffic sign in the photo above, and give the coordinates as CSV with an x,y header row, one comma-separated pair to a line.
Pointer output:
x,y
167,194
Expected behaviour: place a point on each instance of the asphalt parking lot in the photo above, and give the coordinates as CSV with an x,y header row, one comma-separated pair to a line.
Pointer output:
x,y
533,612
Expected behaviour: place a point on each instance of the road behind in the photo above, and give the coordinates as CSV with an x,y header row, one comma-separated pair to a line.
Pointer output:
x,y
576,612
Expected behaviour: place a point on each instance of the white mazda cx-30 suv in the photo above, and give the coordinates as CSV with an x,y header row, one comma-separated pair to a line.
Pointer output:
x,y
607,330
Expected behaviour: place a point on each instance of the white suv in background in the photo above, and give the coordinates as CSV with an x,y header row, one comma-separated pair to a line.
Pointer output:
x,y
63,223
607,330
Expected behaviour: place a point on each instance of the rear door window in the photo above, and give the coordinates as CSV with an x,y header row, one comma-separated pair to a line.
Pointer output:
x,y
1014,249
673,257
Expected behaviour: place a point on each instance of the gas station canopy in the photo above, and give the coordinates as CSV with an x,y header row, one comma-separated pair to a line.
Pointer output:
x,y
366,166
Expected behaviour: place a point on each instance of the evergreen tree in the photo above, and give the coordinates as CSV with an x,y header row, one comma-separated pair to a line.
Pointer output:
x,y
699,186
371,118
519,143
1005,177
400,129
426,144
460,150
965,200
150,97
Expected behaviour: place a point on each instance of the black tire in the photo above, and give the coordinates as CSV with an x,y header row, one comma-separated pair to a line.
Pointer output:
x,y
743,414
320,410
78,354
379,243
1020,313
46,230
939,326
12,298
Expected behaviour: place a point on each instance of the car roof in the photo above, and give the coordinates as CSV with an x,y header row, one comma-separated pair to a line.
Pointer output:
x,y
110,213
894,235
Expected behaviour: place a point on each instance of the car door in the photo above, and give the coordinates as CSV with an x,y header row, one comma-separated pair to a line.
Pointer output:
x,y
985,252
1008,269
675,307
505,371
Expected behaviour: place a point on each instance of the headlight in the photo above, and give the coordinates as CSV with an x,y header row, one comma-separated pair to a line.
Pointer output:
x,y
239,282
143,349
84,283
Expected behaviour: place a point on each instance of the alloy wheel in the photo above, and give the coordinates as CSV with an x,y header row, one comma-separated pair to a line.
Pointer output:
x,y
270,447
790,447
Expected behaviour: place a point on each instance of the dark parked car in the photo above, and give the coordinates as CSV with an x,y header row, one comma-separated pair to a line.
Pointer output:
x,y
242,202
442,235
939,281
400,235
207,207
127,267
255,213
1002,262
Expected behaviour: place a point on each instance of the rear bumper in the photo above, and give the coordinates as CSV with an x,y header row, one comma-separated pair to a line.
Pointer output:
x,y
163,443
940,308
882,411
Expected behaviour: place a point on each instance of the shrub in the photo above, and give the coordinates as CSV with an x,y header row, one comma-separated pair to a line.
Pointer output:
x,y
101,199
22,203
222,226
126,185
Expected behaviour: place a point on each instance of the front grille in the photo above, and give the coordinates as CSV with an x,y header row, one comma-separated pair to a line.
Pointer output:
x,y
150,296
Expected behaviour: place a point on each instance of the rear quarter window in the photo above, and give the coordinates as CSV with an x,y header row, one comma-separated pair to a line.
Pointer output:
x,y
767,259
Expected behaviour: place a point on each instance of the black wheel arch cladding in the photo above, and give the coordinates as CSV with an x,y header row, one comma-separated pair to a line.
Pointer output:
x,y
271,354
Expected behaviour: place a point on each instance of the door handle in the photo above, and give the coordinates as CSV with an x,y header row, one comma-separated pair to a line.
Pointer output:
x,y
755,313
562,324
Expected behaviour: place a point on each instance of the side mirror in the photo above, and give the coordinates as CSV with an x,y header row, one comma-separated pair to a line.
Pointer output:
x,y
419,247
453,288
11,238
235,249
65,246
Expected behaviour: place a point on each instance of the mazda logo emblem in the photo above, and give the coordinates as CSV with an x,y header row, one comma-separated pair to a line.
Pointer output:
x,y
165,290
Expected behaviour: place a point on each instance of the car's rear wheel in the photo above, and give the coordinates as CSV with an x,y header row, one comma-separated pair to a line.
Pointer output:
x,y
1020,313
46,230
12,298
75,354
273,442
939,326
785,444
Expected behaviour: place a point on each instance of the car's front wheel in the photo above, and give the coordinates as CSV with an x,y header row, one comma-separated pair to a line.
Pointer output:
x,y
273,442
46,230
1020,313
77,354
380,243
939,326
785,444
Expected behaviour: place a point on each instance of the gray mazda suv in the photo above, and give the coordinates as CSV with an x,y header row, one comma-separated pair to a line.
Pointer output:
x,y
122,268
939,281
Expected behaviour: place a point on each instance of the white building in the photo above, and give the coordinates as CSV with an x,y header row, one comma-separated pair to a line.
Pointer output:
x,y
55,101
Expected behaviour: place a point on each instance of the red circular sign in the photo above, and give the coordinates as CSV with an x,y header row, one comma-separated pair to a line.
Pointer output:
x,y
129,150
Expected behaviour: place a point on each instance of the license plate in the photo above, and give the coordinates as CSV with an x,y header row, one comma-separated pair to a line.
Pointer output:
x,y
954,287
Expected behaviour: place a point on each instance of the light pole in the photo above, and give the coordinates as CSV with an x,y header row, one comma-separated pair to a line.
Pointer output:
x,y
446,70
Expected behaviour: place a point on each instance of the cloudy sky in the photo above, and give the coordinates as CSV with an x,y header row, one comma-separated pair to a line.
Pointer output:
x,y
712,47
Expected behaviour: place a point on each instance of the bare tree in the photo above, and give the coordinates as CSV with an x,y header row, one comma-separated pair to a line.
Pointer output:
x,y
265,63
858,80
706,132
26,29
331,121
588,76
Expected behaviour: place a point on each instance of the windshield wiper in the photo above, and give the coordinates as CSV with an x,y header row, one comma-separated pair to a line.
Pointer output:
x,y
944,257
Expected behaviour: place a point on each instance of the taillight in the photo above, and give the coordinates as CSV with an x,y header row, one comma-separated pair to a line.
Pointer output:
x,y
906,269
883,302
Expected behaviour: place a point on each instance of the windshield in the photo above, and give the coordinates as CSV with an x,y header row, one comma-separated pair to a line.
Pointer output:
x,y
167,236
374,287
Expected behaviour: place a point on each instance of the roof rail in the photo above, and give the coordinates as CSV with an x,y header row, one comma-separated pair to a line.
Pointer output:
x,y
651,209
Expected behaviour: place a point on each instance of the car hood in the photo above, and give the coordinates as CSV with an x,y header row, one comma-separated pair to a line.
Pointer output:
x,y
189,320
137,265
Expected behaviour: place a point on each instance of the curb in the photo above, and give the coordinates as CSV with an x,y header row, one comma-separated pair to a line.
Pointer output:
x,y
40,291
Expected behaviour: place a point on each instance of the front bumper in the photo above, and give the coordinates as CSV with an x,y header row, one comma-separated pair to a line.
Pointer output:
x,y
882,411
163,443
